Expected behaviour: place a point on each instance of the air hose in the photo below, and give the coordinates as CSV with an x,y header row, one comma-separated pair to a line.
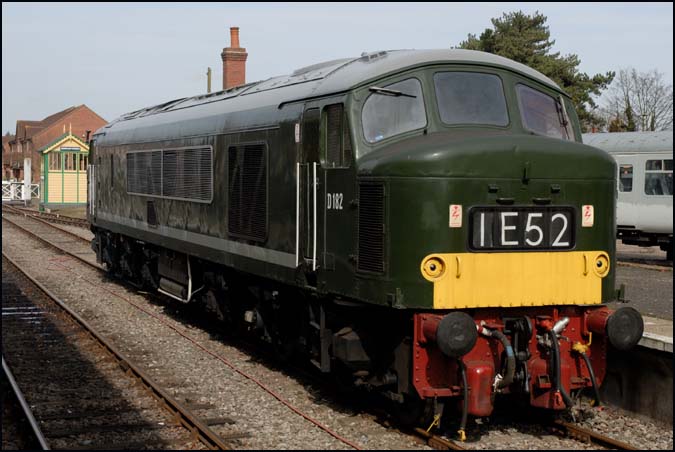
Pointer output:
x,y
556,364
596,390
510,356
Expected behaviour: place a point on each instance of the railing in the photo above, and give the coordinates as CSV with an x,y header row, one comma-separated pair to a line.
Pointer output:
x,y
14,191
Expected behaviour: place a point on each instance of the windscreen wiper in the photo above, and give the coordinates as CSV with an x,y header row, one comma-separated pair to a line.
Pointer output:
x,y
389,92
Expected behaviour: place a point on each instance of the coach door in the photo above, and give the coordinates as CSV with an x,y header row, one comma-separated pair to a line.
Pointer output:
x,y
629,180
308,192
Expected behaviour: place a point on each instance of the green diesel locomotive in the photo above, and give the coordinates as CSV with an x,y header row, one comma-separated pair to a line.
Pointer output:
x,y
422,223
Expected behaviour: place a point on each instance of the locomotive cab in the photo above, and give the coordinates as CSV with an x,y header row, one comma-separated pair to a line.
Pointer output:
x,y
498,223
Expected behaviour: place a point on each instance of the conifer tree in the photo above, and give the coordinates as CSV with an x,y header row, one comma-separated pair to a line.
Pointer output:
x,y
526,39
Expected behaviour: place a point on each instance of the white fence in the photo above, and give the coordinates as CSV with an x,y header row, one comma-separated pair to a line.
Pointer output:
x,y
14,191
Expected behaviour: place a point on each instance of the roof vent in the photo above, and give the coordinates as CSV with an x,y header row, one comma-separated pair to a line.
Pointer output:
x,y
368,57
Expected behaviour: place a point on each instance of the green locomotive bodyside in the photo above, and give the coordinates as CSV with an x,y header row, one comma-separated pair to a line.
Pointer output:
x,y
359,228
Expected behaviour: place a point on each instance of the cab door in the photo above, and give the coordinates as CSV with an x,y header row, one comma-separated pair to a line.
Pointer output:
x,y
339,179
309,194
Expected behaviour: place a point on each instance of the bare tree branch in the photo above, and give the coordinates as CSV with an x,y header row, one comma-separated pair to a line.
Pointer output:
x,y
639,101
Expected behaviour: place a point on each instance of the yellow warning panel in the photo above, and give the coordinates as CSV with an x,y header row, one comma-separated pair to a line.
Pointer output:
x,y
481,280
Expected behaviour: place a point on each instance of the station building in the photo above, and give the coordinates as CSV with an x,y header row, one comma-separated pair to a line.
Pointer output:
x,y
31,136
58,148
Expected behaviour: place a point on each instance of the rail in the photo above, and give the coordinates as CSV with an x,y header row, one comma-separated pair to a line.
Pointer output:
x,y
589,436
188,420
34,426
51,217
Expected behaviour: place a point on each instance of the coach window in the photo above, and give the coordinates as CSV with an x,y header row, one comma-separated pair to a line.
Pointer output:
x,y
659,177
543,114
470,98
393,109
625,178
335,144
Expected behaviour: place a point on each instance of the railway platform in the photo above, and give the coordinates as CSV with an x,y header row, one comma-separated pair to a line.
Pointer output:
x,y
658,334
641,380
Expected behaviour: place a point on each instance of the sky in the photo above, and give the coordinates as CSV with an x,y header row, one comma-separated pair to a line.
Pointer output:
x,y
120,57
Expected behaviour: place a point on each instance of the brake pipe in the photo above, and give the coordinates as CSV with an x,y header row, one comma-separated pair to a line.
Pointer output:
x,y
596,390
510,356
556,365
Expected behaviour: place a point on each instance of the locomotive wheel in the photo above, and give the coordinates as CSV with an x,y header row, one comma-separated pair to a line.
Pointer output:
x,y
414,411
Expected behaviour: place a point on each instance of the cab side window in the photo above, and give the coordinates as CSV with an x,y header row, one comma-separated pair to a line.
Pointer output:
x,y
394,110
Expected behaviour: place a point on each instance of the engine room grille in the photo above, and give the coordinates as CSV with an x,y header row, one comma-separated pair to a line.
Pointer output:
x,y
247,191
144,172
371,228
186,174
334,135
183,174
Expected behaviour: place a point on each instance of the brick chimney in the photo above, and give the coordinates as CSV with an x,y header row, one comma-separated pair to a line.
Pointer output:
x,y
234,62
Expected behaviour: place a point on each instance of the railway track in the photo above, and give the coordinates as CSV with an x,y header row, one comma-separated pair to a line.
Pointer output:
x,y
79,390
53,217
429,438
557,426
73,244
42,231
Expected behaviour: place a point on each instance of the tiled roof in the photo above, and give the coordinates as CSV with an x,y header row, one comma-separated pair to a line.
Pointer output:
x,y
26,129
56,116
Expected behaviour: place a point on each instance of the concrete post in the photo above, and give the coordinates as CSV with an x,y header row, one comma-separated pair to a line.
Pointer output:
x,y
26,179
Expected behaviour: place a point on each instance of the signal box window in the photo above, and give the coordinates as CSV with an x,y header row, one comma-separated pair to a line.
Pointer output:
x,y
336,148
55,161
69,161
470,98
659,177
542,114
625,178
393,110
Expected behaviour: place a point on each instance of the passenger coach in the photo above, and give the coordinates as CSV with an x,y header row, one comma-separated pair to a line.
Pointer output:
x,y
645,184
